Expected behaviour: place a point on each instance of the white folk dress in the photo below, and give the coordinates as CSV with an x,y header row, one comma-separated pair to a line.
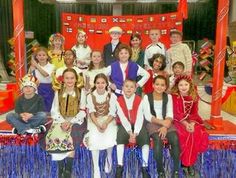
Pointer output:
x,y
100,104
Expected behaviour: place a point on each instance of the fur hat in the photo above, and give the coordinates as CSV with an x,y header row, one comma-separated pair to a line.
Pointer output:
x,y
29,80
115,29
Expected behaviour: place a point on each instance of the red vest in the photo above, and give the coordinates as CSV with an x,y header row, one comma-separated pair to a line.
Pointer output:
x,y
131,115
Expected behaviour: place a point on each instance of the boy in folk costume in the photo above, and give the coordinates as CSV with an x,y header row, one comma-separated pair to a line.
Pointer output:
x,y
110,48
29,108
155,47
179,51
131,127
124,68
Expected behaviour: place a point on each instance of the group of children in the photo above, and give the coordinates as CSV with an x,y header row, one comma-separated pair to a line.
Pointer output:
x,y
103,106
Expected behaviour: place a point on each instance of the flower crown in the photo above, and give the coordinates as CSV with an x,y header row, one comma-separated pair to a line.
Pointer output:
x,y
188,78
53,36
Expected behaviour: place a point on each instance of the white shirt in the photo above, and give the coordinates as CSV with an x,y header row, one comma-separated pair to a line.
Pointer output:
x,y
153,49
58,118
141,72
124,120
49,68
100,99
157,108
82,54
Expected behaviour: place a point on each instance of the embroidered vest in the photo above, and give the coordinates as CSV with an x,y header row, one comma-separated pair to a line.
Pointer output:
x,y
102,109
69,105
131,115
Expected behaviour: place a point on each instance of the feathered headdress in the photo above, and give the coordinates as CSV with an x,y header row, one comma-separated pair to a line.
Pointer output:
x,y
29,80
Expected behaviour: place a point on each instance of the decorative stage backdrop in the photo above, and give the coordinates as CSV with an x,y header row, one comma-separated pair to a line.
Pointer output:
x,y
97,27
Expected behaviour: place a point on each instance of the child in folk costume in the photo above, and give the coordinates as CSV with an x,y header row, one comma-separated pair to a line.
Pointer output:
x,y
179,51
131,128
193,137
109,49
29,115
124,68
55,49
137,53
155,47
69,58
158,64
101,125
159,114
96,66
82,50
42,69
69,124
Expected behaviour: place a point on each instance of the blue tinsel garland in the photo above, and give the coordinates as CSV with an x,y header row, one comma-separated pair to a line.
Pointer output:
x,y
31,161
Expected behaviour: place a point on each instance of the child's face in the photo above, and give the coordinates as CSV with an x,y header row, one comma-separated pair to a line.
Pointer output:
x,y
69,58
129,88
96,57
135,42
159,86
28,90
157,63
124,55
57,42
115,35
42,56
183,87
178,69
69,79
175,38
81,38
154,35
100,84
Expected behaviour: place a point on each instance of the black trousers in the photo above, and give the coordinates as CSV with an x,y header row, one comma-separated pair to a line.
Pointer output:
x,y
123,136
158,150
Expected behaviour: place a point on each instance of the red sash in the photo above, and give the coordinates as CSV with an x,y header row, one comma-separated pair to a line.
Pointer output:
x,y
131,115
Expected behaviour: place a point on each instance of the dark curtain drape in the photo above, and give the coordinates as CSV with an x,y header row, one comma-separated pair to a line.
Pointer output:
x,y
201,22
45,19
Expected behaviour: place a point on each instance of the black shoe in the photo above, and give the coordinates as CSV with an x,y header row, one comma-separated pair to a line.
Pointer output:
x,y
161,175
191,171
14,130
175,174
185,169
42,128
119,171
145,172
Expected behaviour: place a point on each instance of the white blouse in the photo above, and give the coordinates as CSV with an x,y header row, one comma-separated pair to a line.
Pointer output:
x,y
101,99
158,108
49,68
78,118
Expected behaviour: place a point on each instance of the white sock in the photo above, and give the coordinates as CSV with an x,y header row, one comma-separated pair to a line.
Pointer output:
x,y
145,154
96,170
120,154
108,163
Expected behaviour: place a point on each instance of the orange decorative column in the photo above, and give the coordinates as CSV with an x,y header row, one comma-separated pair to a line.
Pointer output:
x,y
219,63
19,37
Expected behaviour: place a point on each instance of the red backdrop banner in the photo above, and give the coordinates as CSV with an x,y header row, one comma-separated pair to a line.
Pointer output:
x,y
97,27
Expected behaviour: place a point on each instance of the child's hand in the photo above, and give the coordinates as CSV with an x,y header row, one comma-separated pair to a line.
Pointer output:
x,y
162,132
190,127
65,126
132,138
166,123
113,86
